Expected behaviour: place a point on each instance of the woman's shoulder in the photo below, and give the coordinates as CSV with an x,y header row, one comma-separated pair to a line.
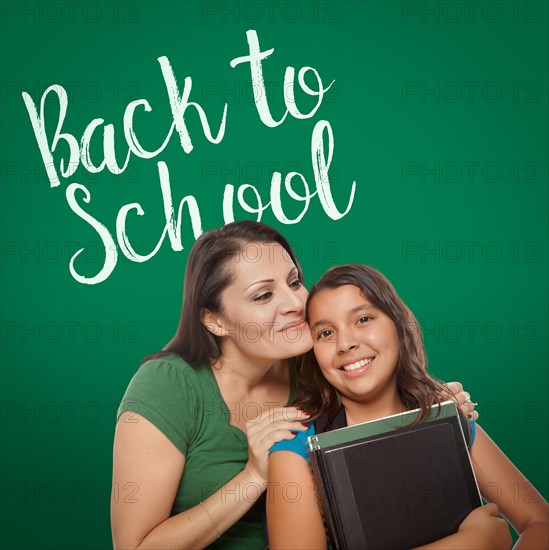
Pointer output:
x,y
166,359
169,374
163,382
166,368
165,391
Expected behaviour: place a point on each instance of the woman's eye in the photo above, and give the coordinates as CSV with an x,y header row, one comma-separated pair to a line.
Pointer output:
x,y
295,284
263,297
324,334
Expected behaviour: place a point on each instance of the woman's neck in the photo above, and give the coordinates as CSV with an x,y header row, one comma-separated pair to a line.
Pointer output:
x,y
244,384
246,373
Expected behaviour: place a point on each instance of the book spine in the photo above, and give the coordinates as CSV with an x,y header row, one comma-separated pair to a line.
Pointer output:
x,y
322,491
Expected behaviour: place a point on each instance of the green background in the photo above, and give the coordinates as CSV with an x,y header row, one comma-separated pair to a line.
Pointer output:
x,y
466,249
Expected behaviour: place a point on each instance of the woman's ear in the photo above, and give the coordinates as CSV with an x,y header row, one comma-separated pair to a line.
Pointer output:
x,y
213,322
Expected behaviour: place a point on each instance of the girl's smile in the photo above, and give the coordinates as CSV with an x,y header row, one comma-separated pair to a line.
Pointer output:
x,y
358,367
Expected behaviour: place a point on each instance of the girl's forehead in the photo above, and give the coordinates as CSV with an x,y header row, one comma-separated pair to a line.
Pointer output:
x,y
342,298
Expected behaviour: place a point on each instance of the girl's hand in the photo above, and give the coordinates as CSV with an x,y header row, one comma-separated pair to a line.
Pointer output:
x,y
486,529
267,429
462,399
482,529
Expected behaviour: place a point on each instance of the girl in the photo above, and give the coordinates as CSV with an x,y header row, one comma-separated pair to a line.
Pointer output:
x,y
369,362
198,419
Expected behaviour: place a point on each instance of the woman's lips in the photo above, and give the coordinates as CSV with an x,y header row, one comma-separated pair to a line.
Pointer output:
x,y
297,325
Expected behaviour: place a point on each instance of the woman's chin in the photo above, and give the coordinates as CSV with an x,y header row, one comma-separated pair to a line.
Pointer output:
x,y
294,351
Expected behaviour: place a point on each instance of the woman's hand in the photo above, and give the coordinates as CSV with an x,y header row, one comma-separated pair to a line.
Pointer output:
x,y
264,431
462,399
484,526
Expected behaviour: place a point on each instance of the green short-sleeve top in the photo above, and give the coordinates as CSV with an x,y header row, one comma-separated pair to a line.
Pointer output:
x,y
185,404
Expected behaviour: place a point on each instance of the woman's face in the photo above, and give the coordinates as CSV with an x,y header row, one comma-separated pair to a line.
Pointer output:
x,y
355,344
263,314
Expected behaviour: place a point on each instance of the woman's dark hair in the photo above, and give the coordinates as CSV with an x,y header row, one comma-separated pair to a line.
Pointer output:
x,y
416,388
207,275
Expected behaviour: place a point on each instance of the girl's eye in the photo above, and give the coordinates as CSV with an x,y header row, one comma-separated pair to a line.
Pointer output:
x,y
364,319
263,297
324,334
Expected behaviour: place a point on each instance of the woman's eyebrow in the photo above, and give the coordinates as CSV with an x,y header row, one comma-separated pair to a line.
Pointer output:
x,y
270,280
257,282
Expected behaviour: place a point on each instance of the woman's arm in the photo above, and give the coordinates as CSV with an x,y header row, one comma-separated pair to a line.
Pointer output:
x,y
501,482
293,516
148,469
462,399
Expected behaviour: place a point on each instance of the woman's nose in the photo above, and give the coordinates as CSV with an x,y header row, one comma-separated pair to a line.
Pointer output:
x,y
292,301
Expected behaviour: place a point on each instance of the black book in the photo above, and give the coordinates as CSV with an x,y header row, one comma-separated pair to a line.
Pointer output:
x,y
387,485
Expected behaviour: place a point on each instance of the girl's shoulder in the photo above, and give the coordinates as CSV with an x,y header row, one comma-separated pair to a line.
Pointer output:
x,y
469,430
298,445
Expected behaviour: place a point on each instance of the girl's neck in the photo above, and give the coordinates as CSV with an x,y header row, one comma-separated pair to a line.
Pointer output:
x,y
365,411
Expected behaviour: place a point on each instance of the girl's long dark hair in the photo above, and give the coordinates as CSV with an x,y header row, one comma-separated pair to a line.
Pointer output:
x,y
207,275
416,388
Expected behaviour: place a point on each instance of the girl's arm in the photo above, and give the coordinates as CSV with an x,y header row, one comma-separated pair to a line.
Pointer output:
x,y
501,482
147,470
293,516
482,529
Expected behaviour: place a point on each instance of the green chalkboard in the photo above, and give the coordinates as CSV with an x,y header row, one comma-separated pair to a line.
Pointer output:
x,y
425,156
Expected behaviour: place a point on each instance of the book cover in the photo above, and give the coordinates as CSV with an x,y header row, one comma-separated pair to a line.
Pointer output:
x,y
388,484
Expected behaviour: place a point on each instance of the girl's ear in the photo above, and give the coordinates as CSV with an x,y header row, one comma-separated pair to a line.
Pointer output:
x,y
213,322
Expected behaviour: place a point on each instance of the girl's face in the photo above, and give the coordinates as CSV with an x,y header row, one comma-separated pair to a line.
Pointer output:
x,y
263,313
355,344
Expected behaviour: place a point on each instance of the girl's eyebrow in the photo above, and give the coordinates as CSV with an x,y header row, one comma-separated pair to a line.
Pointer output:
x,y
321,322
361,307
353,311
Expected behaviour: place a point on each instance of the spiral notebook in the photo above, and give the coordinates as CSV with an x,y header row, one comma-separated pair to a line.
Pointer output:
x,y
387,485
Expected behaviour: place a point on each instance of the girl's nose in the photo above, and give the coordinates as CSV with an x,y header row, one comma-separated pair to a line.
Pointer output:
x,y
346,340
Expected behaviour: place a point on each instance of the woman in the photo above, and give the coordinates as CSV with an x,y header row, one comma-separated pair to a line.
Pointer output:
x,y
368,363
198,419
